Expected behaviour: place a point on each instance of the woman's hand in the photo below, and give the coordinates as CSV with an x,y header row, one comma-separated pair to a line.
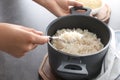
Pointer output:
x,y
58,7
17,40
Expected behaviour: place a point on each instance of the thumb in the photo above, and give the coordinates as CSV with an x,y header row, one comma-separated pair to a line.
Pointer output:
x,y
41,39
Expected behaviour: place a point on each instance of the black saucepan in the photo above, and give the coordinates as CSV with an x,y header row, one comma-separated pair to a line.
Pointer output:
x,y
74,67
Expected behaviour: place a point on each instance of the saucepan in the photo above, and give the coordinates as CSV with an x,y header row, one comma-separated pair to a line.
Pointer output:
x,y
76,67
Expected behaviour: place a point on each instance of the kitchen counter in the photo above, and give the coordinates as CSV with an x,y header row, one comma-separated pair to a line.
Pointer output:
x,y
30,14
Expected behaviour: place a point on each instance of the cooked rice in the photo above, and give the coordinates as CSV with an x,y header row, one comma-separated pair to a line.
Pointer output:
x,y
77,41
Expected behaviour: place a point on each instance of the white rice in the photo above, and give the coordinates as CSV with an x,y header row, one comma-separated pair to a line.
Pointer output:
x,y
77,41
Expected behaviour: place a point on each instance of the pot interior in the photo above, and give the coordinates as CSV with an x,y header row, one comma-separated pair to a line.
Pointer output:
x,y
84,22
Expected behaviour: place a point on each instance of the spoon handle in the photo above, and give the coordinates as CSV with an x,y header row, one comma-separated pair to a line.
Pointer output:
x,y
53,37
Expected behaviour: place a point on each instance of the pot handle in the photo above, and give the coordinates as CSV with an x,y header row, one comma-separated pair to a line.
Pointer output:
x,y
86,12
73,68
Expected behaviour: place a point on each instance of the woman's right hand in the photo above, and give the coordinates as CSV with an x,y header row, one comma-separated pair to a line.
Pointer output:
x,y
17,40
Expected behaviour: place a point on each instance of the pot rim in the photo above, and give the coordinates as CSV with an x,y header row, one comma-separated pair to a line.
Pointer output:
x,y
89,54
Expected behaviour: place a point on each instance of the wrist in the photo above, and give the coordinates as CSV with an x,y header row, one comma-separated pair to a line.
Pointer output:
x,y
41,2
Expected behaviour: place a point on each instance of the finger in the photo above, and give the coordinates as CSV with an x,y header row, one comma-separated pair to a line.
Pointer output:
x,y
32,30
29,47
37,32
33,46
74,3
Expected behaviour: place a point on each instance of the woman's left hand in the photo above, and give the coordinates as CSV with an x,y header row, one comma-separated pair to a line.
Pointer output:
x,y
58,7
